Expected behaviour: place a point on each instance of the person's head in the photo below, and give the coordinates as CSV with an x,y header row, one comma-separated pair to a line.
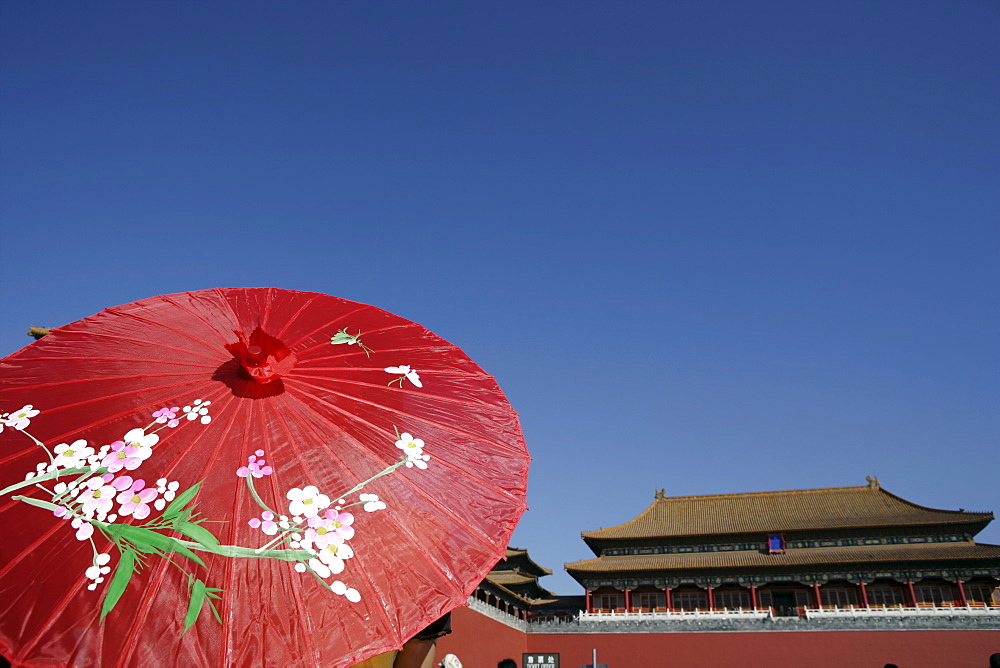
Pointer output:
x,y
507,663
995,660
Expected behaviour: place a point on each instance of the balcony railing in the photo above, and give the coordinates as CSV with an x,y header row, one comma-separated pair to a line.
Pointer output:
x,y
923,609
620,615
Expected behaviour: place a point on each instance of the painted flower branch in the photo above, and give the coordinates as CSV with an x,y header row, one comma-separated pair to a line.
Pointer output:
x,y
88,483
316,528
82,485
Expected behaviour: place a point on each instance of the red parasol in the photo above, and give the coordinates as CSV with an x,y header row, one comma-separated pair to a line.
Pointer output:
x,y
301,398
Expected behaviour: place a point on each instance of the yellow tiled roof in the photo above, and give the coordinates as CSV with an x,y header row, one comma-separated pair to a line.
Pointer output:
x,y
800,557
764,512
508,578
514,556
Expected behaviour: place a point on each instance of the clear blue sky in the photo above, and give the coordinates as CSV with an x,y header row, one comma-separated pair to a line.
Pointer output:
x,y
704,246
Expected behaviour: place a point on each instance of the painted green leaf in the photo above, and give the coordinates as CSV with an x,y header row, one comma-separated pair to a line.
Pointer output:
x,y
198,592
182,500
215,611
37,503
198,533
126,567
150,541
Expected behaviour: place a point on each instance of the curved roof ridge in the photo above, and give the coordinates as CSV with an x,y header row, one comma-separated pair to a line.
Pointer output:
x,y
936,510
777,491
786,510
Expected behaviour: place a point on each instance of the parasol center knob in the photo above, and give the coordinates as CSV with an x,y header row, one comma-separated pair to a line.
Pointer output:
x,y
262,357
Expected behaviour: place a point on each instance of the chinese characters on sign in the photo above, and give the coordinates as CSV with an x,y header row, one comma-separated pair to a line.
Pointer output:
x,y
535,660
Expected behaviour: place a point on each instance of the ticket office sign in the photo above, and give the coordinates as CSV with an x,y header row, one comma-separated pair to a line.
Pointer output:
x,y
536,660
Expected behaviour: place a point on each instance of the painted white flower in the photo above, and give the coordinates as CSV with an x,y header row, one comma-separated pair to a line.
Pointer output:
x,y
21,419
84,529
404,371
409,445
72,456
198,410
307,502
420,461
319,568
371,502
140,439
98,570
95,572
333,557
167,490
341,589
300,567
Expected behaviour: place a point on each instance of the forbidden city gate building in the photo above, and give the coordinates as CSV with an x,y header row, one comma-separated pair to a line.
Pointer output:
x,y
789,553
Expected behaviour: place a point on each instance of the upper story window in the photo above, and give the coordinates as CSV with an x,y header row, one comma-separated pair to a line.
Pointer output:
x,y
775,543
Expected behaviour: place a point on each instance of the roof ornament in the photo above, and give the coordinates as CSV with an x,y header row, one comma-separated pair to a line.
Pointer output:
x,y
660,494
873,482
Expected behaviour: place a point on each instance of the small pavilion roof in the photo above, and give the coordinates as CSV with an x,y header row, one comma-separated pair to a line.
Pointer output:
x,y
518,560
771,512
508,578
523,585
867,554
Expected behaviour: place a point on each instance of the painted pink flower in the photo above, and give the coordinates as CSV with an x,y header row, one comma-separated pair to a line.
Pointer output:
x,y
256,466
265,523
97,496
341,523
135,500
22,418
321,533
168,416
123,456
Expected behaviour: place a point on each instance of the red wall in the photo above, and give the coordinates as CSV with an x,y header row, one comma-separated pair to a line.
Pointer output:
x,y
481,642
818,649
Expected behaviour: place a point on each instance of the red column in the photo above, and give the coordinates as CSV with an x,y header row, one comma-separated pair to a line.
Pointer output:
x,y
913,594
711,600
667,598
628,602
864,593
961,593
819,599
753,596
587,604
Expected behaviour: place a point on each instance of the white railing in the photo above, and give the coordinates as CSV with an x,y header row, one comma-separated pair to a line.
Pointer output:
x,y
900,611
740,613
497,614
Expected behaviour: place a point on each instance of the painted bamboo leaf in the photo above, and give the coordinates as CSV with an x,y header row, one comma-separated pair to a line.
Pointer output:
x,y
198,593
151,541
198,533
177,505
124,572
